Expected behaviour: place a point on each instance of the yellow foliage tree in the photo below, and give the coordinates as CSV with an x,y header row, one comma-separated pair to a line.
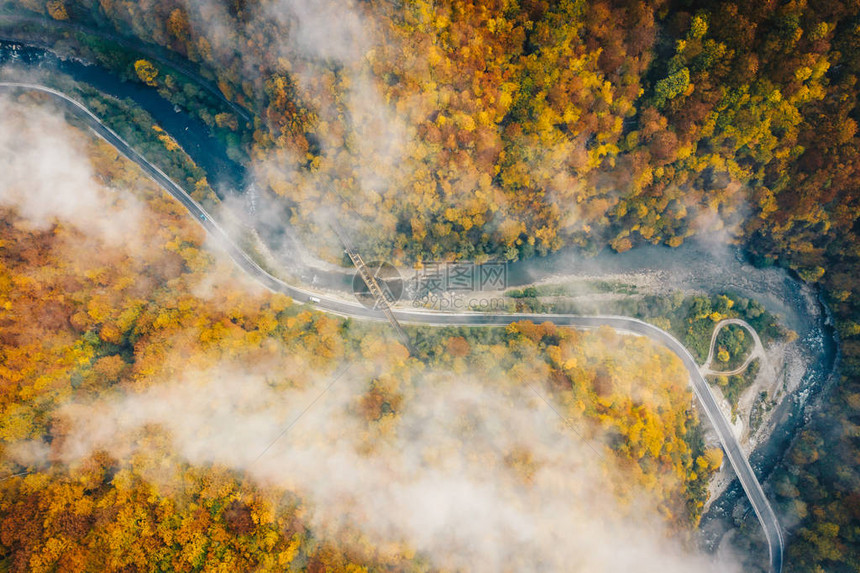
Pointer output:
x,y
146,71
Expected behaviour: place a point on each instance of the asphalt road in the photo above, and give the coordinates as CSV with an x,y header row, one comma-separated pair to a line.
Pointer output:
x,y
734,454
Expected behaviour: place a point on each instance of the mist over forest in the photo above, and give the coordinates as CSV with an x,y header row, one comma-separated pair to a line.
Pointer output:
x,y
162,407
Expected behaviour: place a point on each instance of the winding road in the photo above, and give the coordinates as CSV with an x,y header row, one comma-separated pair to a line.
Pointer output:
x,y
757,351
734,454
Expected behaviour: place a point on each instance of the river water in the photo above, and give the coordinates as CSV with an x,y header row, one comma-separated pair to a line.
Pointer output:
x,y
707,265
191,133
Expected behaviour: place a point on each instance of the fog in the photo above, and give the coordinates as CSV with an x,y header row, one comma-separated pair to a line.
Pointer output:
x,y
478,476
367,141
46,175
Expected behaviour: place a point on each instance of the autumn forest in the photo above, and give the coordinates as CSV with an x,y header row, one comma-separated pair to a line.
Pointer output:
x,y
149,390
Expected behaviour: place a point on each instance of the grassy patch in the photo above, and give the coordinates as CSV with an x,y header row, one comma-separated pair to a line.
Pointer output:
x,y
690,318
733,386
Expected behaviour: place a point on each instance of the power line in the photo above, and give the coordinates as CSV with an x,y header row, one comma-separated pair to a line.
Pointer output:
x,y
565,420
283,433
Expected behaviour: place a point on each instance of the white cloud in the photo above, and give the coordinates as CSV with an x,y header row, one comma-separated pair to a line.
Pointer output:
x,y
46,175
441,480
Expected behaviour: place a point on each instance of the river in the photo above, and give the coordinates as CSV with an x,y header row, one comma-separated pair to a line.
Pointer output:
x,y
190,132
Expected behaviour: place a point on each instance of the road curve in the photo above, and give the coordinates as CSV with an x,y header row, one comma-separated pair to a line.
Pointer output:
x,y
735,455
756,352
